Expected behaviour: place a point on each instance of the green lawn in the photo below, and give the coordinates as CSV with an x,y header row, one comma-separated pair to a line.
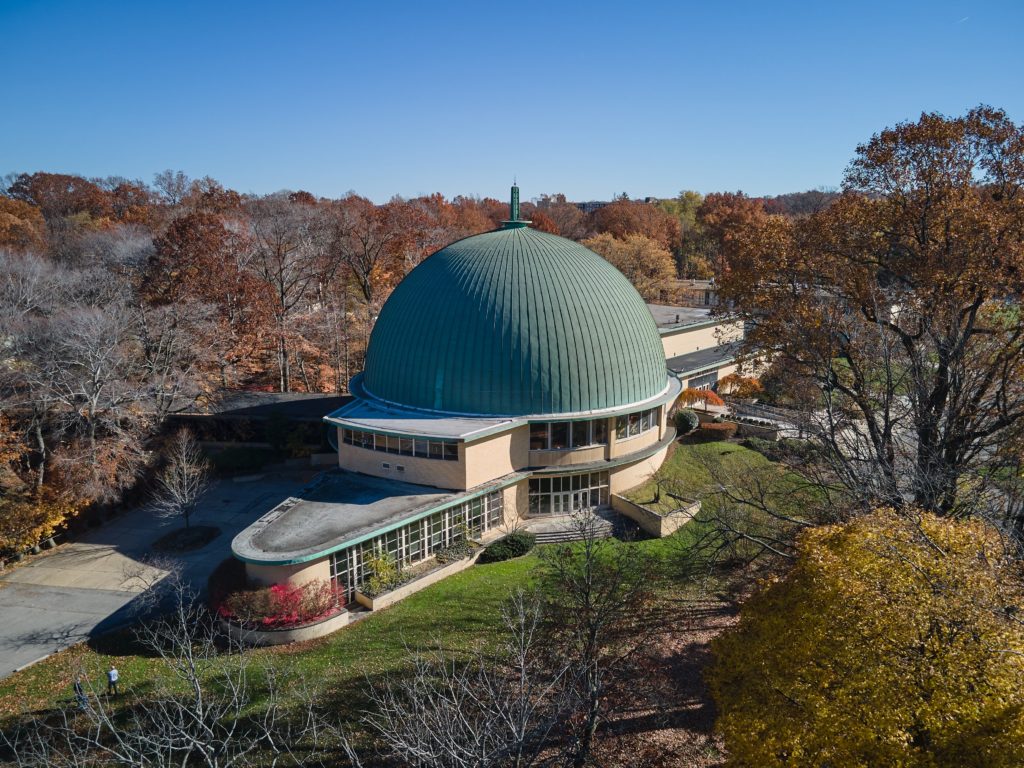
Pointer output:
x,y
688,469
458,613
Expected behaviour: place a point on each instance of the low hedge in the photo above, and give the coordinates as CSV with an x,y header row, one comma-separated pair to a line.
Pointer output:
x,y
712,431
766,448
515,544
790,449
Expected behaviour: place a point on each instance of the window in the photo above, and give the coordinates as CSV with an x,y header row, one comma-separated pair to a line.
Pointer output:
x,y
417,540
707,381
559,435
580,433
565,493
539,437
635,424
404,446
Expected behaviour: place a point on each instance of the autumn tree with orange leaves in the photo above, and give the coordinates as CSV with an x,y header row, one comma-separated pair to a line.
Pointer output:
x,y
202,258
624,217
899,302
724,219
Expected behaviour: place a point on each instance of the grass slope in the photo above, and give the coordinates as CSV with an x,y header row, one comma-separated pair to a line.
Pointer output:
x,y
687,468
457,613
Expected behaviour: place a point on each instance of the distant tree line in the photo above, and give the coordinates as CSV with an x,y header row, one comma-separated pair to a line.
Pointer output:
x,y
123,303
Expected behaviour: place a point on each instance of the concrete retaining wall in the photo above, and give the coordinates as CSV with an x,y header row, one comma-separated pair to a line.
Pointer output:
x,y
265,637
755,430
650,521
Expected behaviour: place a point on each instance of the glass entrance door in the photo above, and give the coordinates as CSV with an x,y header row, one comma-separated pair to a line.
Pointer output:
x,y
580,501
566,503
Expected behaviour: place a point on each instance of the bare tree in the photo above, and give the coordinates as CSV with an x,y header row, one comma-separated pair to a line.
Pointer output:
x,y
177,354
200,710
291,255
501,711
183,479
172,186
755,508
92,365
900,303
600,609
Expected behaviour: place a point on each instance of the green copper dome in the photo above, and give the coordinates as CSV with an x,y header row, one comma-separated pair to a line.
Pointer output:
x,y
515,322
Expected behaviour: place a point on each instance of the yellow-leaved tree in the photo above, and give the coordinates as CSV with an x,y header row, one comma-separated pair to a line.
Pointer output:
x,y
644,261
27,514
894,640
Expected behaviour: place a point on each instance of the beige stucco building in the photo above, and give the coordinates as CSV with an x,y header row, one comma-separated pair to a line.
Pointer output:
x,y
511,375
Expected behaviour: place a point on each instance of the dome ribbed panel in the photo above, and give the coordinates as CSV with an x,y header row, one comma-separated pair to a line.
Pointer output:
x,y
515,322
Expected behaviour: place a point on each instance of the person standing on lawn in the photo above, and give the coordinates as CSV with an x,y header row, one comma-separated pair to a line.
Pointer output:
x,y
83,702
112,677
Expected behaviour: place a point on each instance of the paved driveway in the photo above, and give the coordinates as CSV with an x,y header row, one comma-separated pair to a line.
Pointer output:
x,y
88,586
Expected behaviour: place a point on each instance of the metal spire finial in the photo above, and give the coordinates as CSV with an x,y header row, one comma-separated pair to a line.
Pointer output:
x,y
514,206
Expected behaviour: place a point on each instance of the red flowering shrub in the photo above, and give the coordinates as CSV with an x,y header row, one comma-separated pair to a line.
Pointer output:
x,y
282,605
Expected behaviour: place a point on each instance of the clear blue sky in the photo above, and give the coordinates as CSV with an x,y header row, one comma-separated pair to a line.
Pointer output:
x,y
586,98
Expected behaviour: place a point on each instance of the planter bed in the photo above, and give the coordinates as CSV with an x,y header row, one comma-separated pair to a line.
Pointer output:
x,y
420,581
285,635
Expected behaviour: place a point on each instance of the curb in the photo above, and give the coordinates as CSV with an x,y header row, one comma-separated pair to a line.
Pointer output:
x,y
33,662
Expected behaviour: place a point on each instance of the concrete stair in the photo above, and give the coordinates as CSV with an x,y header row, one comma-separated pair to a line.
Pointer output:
x,y
606,523
550,534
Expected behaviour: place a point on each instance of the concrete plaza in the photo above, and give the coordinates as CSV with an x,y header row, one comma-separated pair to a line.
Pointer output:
x,y
93,584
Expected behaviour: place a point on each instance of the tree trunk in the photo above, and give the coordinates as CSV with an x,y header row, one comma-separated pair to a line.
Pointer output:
x,y
593,714
282,358
41,446
92,450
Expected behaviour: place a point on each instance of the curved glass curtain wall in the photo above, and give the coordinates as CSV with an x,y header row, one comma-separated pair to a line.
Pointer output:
x,y
566,435
565,494
417,541
402,446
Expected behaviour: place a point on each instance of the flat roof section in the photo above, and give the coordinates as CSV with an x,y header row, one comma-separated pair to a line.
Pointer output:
x,y
678,317
375,416
295,406
702,359
339,506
